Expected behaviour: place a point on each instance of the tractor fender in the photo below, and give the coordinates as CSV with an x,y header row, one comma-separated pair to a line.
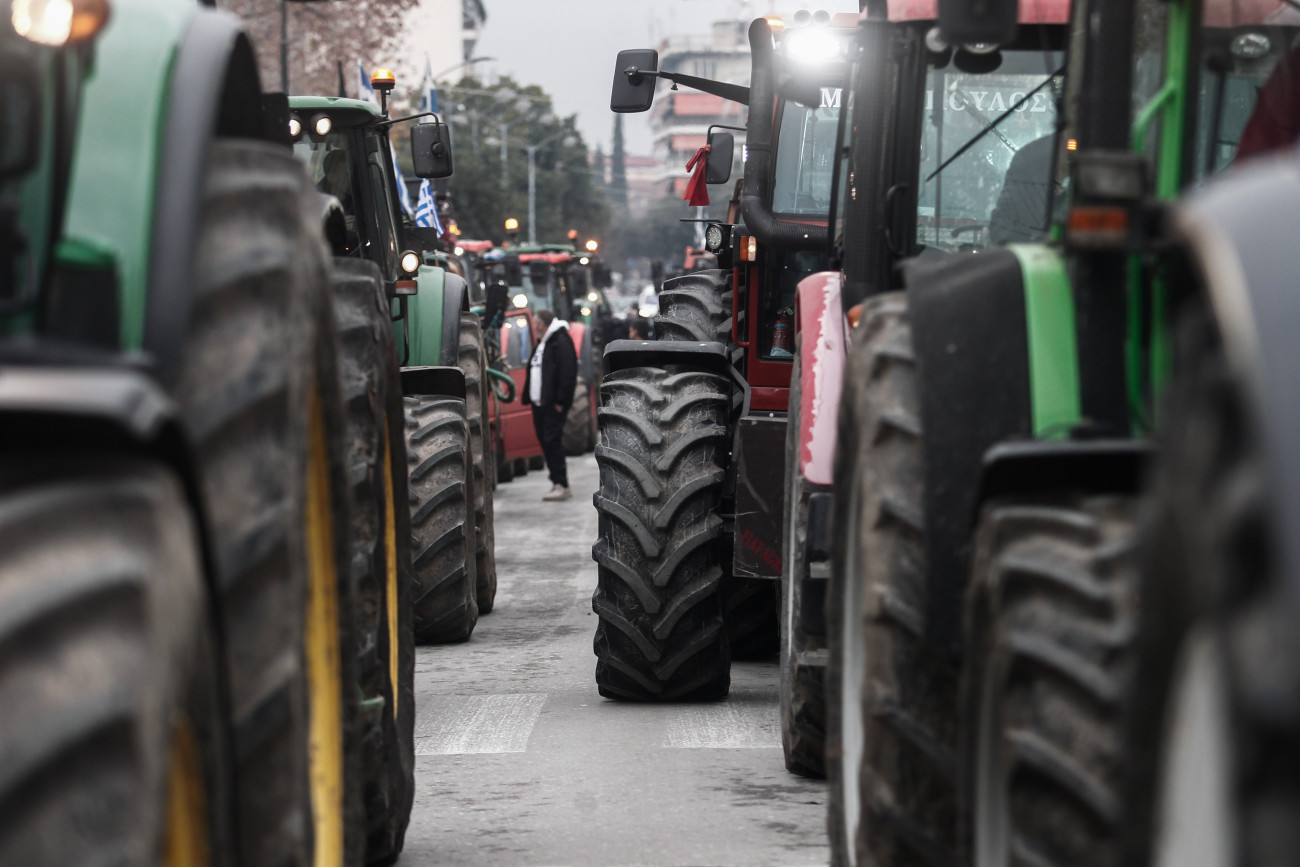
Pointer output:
x,y
1095,466
168,78
214,92
823,345
107,407
968,320
445,380
455,301
710,357
1237,233
433,318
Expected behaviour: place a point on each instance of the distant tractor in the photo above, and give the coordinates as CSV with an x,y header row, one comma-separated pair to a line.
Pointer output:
x,y
347,147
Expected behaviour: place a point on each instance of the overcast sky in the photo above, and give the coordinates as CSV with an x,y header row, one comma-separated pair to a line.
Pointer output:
x,y
568,47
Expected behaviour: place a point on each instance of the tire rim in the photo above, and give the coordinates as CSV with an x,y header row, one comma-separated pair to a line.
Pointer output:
x,y
186,835
390,566
1194,818
852,674
992,829
324,660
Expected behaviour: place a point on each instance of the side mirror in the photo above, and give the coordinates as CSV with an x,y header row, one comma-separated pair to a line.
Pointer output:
x,y
634,90
963,22
514,272
422,238
431,150
722,150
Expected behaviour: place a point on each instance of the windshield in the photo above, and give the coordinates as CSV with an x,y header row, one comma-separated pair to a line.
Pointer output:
x,y
1249,83
336,166
986,152
805,151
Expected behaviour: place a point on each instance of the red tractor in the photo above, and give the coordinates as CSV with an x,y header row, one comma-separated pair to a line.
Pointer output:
x,y
692,426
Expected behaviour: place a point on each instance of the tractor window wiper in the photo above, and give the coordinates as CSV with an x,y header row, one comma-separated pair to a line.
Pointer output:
x,y
992,125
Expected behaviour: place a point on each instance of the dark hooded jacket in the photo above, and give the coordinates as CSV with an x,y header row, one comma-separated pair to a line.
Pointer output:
x,y
559,371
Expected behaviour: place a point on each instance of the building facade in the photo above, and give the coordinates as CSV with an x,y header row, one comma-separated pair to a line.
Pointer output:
x,y
680,119
447,32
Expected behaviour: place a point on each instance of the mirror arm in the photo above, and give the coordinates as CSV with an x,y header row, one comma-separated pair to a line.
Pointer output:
x,y
733,92
390,122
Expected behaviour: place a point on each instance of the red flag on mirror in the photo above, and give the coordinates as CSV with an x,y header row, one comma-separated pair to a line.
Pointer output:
x,y
697,191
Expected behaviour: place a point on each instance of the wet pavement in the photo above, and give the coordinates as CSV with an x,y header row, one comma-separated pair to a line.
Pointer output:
x,y
520,762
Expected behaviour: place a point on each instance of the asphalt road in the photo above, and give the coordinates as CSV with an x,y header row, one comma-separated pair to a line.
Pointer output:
x,y
520,762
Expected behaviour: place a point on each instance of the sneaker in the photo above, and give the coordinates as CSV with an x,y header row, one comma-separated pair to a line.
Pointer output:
x,y
557,493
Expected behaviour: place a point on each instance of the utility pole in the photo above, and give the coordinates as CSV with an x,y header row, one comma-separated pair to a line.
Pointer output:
x,y
532,192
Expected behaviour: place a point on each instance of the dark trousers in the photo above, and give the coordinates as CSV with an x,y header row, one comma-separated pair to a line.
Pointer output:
x,y
549,424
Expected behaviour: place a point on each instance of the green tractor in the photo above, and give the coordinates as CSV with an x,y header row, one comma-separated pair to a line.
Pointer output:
x,y
993,440
347,147
179,632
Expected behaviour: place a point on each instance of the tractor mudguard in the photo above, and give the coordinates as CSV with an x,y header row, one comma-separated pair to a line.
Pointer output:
x,y
83,405
1238,234
1095,466
179,74
820,324
972,355
433,318
710,357
444,380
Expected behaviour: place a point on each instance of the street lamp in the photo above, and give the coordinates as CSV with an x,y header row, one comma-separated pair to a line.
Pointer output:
x,y
532,149
456,66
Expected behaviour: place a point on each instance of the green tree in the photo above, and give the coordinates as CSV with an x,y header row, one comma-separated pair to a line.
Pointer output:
x,y
492,125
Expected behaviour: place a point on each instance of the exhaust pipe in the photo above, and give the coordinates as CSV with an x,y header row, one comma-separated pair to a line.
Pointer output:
x,y
782,234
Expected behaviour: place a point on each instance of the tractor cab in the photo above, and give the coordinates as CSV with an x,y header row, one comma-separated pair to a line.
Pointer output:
x,y
348,149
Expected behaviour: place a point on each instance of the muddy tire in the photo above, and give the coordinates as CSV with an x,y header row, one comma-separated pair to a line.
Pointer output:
x,y
1215,703
577,424
380,544
258,393
537,463
1050,618
442,520
663,443
891,699
109,668
697,307
472,359
803,656
505,468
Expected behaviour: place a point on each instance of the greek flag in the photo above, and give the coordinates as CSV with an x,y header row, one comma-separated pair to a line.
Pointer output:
x,y
428,95
367,93
403,195
426,211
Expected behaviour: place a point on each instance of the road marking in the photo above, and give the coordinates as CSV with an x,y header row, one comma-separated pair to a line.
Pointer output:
x,y
460,725
733,724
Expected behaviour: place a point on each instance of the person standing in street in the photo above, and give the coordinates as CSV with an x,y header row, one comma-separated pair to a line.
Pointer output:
x,y
552,376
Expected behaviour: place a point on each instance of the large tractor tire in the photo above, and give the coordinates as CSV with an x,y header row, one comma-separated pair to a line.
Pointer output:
x,y
1215,727
697,307
442,519
663,444
1050,618
381,553
577,438
803,656
258,392
505,468
891,699
114,740
472,359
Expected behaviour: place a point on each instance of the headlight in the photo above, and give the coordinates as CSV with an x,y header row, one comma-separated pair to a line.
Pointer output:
x,y
521,300
410,261
586,311
321,124
58,22
713,238
592,296
813,46
460,251
295,127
